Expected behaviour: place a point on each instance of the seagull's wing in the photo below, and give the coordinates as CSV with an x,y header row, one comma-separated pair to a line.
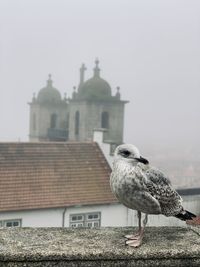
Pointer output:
x,y
159,186
156,176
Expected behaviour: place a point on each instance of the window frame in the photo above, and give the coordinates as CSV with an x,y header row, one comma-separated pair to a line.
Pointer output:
x,y
85,220
3,223
53,121
34,125
105,120
77,123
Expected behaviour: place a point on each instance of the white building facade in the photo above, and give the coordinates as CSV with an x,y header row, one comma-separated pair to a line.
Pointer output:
x,y
108,215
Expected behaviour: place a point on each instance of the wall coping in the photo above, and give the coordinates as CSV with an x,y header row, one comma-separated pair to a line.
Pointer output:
x,y
162,246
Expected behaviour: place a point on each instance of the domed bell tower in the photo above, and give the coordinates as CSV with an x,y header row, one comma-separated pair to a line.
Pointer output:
x,y
93,106
48,115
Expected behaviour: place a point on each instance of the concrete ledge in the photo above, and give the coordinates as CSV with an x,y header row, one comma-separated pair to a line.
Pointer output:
x,y
162,246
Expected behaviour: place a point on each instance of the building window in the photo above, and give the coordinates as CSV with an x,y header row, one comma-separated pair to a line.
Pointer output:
x,y
53,122
34,122
105,120
77,120
11,223
85,220
67,121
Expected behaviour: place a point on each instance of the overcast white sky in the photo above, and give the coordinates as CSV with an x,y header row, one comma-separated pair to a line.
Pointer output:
x,y
151,49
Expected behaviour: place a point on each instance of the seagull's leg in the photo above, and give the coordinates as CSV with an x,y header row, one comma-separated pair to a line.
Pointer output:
x,y
136,242
137,234
145,221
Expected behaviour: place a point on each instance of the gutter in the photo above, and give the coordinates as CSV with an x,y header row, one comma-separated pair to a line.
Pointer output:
x,y
63,217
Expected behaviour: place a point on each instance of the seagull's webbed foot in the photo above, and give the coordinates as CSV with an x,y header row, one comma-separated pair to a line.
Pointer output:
x,y
135,240
134,236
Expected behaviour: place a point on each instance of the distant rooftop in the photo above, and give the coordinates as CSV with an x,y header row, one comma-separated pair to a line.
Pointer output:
x,y
47,175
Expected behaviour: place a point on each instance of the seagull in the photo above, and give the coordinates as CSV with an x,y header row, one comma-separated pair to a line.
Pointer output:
x,y
143,188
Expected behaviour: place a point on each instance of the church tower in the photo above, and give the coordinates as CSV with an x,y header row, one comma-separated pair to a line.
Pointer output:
x,y
93,106
48,115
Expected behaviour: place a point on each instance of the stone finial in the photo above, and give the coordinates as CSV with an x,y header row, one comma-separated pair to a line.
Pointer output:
x,y
82,73
74,92
65,97
118,95
97,62
49,81
34,97
96,68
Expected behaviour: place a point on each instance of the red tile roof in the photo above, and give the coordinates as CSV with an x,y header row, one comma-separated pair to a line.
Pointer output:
x,y
47,175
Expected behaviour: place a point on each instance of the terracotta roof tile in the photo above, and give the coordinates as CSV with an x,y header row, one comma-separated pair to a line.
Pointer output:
x,y
47,175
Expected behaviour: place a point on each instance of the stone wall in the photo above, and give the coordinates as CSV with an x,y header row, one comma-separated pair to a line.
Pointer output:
x,y
162,246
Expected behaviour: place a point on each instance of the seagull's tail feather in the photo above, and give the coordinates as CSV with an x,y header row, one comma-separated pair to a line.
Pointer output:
x,y
185,215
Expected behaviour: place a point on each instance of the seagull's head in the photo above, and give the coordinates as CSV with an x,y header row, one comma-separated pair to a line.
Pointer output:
x,y
129,153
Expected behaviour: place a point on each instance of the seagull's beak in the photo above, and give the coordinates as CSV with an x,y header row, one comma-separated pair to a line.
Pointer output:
x,y
142,160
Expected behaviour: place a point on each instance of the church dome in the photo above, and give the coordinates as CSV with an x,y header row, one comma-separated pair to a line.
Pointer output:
x,y
49,94
96,87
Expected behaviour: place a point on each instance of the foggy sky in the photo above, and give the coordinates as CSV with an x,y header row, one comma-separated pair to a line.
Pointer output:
x,y
148,48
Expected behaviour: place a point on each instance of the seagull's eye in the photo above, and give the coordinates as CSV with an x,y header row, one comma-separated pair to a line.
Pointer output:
x,y
125,153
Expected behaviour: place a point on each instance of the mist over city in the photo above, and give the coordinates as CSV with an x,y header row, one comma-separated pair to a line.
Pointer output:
x,y
99,132
150,49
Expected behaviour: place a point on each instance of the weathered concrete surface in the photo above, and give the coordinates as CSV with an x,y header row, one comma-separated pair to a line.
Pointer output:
x,y
58,247
196,229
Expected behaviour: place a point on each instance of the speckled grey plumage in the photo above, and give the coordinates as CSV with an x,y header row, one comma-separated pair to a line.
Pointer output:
x,y
142,187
